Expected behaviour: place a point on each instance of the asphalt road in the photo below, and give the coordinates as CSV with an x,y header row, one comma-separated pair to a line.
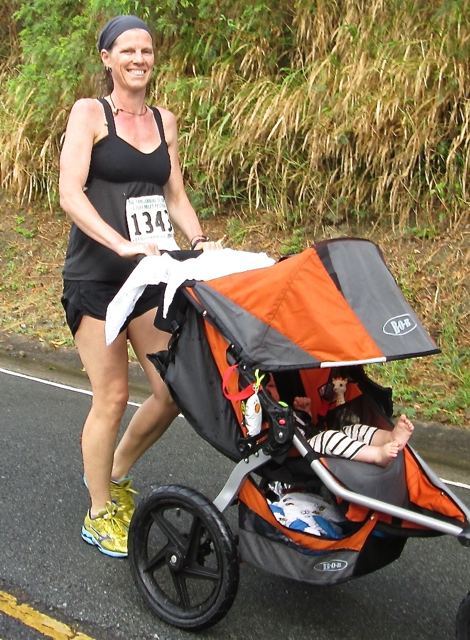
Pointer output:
x,y
45,563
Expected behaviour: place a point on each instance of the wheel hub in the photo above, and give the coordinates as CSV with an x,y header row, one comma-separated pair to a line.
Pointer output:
x,y
174,559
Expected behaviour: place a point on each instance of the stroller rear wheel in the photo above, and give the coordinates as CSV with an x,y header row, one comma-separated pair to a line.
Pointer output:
x,y
463,619
183,557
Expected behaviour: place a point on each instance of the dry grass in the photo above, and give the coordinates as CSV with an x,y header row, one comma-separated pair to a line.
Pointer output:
x,y
369,119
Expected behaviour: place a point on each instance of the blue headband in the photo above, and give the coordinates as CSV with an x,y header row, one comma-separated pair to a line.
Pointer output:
x,y
115,27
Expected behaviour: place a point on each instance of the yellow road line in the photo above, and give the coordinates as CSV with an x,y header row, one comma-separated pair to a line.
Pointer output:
x,y
39,621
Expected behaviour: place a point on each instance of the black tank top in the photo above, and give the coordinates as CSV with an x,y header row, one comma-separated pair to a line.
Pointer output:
x,y
116,160
117,171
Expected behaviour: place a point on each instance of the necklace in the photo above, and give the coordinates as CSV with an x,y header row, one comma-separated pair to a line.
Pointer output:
x,y
116,110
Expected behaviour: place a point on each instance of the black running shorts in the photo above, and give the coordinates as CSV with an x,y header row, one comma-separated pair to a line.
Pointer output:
x,y
88,298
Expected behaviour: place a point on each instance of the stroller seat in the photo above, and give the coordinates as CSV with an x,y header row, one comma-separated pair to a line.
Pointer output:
x,y
382,483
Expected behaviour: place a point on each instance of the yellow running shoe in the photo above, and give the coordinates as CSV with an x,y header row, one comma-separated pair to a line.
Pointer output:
x,y
106,531
122,495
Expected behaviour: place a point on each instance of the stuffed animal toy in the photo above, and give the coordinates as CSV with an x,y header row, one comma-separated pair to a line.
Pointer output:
x,y
339,385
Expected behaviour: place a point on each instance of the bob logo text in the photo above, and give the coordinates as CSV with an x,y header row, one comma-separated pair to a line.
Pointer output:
x,y
399,326
332,565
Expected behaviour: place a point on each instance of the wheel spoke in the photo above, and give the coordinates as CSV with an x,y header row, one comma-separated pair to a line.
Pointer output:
x,y
182,590
170,530
158,560
203,573
193,567
194,541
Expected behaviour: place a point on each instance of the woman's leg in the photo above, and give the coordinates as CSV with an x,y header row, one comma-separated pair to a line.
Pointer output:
x,y
107,369
156,414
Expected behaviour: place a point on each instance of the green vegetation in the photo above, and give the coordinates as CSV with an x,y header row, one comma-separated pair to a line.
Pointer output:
x,y
298,121
444,398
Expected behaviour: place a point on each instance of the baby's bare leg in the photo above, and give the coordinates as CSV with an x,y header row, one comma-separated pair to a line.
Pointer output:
x,y
400,434
402,431
381,455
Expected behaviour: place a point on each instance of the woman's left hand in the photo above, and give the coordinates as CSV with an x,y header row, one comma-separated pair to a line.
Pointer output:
x,y
209,246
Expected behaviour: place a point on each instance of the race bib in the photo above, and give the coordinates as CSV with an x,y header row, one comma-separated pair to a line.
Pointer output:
x,y
148,220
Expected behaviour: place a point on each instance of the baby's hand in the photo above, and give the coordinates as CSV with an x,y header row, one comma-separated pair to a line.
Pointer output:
x,y
303,404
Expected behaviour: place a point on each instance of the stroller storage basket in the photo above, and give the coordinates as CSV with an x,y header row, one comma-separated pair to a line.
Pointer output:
x,y
301,556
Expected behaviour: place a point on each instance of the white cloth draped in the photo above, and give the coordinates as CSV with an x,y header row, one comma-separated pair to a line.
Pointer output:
x,y
157,269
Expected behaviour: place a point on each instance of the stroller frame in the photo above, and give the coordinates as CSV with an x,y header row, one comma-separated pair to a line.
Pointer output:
x,y
257,460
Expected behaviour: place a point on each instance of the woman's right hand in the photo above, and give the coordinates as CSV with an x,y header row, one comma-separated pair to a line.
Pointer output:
x,y
131,250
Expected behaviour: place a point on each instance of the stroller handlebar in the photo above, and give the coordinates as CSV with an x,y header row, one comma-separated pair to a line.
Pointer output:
x,y
178,254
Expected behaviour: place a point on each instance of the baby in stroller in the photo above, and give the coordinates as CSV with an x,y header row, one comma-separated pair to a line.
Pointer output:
x,y
360,442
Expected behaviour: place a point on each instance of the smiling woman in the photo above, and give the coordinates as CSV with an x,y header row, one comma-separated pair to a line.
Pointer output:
x,y
128,62
121,184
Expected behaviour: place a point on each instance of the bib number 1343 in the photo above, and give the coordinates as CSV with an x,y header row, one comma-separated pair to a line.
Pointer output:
x,y
148,221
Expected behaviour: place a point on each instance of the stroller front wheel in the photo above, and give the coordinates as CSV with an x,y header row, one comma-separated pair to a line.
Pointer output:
x,y
463,619
183,557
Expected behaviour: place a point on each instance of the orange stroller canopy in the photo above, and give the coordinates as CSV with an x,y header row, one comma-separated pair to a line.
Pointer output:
x,y
334,304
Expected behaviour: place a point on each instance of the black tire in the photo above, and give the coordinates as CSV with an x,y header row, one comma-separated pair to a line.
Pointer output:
x,y
463,619
183,557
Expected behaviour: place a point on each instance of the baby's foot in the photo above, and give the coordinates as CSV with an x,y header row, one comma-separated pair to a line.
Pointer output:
x,y
386,453
303,404
402,431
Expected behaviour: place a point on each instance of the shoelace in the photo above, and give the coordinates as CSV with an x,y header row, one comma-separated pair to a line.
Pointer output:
x,y
125,485
123,489
112,521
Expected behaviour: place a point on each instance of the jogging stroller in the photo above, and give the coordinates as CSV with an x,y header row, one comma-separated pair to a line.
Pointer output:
x,y
307,321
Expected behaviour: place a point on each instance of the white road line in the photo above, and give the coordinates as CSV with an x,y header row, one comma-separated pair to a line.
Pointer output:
x,y
461,485
55,384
